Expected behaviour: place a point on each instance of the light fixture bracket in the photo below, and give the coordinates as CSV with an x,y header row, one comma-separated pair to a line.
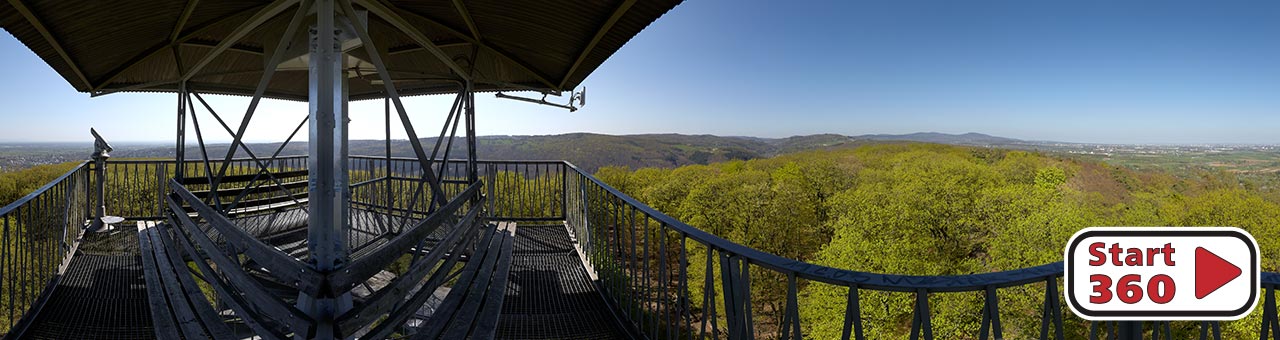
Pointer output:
x,y
577,96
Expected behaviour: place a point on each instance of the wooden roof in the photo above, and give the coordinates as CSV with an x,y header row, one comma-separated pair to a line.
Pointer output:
x,y
102,46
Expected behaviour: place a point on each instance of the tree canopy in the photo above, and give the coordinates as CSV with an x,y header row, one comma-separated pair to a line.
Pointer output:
x,y
928,209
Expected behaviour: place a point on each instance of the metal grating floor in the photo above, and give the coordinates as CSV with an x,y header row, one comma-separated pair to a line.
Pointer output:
x,y
101,296
549,294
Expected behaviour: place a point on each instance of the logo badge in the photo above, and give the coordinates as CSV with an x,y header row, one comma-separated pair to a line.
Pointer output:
x,y
1162,273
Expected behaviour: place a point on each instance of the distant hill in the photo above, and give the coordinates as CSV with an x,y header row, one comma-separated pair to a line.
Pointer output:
x,y
810,142
971,138
592,151
586,150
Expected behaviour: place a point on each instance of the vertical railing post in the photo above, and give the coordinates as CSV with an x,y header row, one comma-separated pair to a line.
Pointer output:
x,y
709,297
68,192
921,321
161,169
586,215
6,282
1130,330
564,190
791,315
1051,314
853,316
490,180
88,191
1270,317
991,316
731,291
686,313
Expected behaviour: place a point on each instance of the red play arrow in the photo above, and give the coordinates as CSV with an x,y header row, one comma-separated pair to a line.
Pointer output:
x,y
1212,272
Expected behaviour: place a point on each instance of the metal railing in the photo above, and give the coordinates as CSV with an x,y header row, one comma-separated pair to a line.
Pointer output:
x,y
40,232
668,279
524,190
135,188
644,260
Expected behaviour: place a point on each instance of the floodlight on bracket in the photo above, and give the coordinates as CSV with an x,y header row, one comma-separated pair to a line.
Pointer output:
x,y
579,96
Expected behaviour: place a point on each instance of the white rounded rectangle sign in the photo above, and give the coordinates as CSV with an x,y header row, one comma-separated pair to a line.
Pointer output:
x,y
1161,273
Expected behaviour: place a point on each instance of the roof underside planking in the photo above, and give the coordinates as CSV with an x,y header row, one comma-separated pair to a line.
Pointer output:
x,y
103,47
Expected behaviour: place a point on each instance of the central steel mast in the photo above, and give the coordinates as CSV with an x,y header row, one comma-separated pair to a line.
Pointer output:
x,y
336,27
328,179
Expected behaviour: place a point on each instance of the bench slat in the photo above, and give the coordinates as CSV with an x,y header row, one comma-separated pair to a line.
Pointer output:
x,y
256,205
242,178
163,324
265,188
394,293
487,324
411,307
466,314
179,307
301,196
262,184
213,323
482,286
445,312
239,303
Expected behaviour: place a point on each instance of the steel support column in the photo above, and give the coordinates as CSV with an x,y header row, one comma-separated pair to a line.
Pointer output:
x,y
472,175
329,182
180,142
386,106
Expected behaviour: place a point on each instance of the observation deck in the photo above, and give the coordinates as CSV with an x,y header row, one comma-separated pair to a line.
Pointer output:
x,y
586,262
330,245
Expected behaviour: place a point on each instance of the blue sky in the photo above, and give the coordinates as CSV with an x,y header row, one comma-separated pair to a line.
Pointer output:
x,y
1082,71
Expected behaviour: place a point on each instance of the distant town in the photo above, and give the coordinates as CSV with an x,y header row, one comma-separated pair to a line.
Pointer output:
x,y
1155,149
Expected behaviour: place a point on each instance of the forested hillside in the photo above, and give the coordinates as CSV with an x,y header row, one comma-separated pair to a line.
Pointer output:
x,y
586,150
929,209
16,184
591,151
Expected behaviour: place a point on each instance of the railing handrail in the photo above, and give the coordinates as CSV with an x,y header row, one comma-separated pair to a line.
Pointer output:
x,y
173,161
479,161
22,201
368,157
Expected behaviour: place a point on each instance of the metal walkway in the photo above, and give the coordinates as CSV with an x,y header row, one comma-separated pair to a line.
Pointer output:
x,y
550,295
101,296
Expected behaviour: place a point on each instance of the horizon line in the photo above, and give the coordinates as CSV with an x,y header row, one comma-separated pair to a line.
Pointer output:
x,y
1011,140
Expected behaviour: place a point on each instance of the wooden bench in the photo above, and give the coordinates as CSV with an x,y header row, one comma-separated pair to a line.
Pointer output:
x,y
178,308
268,195
472,307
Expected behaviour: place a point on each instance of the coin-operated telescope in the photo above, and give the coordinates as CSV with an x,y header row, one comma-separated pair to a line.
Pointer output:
x,y
101,151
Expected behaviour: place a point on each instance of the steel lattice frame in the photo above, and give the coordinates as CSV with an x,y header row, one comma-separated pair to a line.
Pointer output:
x,y
328,199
